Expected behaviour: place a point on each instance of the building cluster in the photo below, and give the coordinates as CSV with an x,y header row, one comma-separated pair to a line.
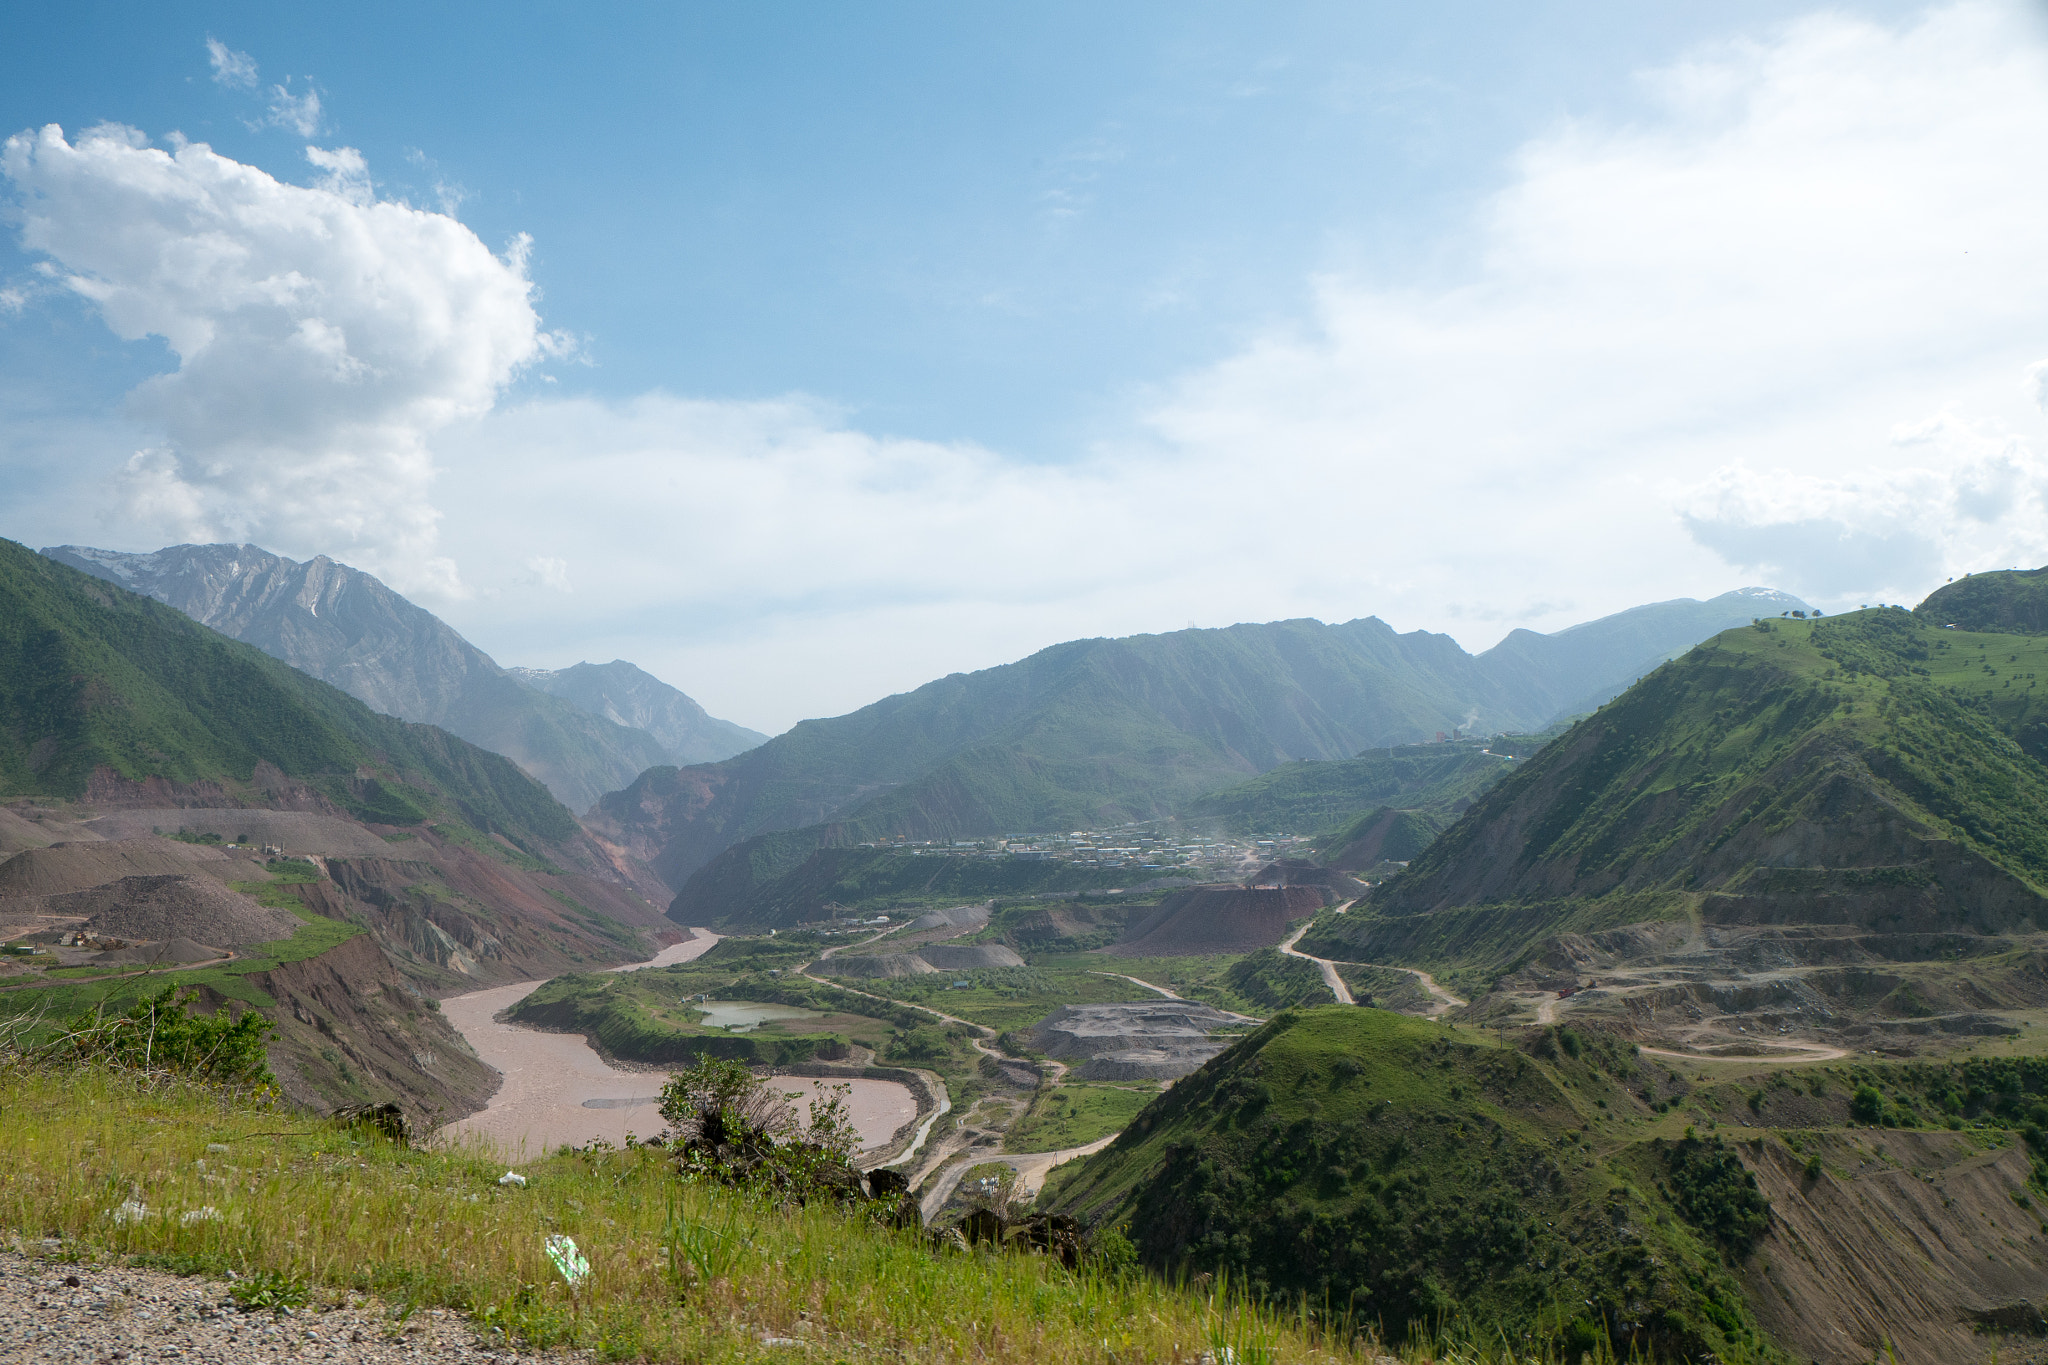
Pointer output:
x,y
1140,848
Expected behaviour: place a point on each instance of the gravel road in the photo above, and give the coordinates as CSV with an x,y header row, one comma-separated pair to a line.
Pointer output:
x,y
56,1311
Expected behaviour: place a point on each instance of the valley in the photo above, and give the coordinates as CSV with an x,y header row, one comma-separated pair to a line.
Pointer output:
x,y
1635,1011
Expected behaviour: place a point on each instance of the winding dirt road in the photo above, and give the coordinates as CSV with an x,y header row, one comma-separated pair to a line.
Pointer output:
x,y
1443,998
1119,976
1810,1052
1330,977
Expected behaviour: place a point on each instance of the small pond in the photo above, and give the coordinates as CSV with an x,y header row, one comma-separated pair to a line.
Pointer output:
x,y
740,1016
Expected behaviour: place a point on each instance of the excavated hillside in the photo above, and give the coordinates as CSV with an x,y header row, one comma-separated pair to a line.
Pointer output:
x,y
1800,828
1220,919
1559,1189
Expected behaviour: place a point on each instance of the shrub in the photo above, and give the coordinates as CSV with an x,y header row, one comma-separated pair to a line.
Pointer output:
x,y
1867,1105
1716,1192
728,1125
160,1035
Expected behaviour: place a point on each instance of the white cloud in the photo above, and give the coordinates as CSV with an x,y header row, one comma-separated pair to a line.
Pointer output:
x,y
1976,498
321,338
236,70
298,113
1708,344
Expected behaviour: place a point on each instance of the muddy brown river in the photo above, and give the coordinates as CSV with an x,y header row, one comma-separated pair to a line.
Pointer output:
x,y
558,1090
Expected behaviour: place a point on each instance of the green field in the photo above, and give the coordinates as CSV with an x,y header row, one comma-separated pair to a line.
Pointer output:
x,y
1075,1114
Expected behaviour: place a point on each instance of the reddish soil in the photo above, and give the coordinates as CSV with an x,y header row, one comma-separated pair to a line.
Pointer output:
x,y
1219,919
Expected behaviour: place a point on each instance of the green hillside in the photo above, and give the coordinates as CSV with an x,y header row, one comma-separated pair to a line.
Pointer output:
x,y
101,684
1875,760
2014,601
1416,1176
1316,797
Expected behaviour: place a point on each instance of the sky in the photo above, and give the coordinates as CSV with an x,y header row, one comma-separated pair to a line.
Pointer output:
x,y
801,354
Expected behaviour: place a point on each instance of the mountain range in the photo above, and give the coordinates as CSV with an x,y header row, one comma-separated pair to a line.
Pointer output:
x,y
583,731
1096,732
134,740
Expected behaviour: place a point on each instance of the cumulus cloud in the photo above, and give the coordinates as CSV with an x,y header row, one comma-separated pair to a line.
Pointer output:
x,y
1806,240
322,337
1974,498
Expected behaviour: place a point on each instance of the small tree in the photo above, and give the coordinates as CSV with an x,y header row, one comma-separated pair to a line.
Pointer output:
x,y
719,1103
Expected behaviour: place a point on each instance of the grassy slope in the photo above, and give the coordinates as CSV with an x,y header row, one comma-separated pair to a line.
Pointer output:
x,y
1075,1114
333,1209
1310,798
1869,740
2005,602
103,680
1379,836
1416,1174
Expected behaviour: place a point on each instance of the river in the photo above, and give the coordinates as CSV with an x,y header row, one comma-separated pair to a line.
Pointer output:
x,y
558,1090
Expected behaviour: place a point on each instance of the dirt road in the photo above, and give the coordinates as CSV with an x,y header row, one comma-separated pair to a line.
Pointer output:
x,y
1809,1052
1330,977
1146,984
1031,1167
1444,999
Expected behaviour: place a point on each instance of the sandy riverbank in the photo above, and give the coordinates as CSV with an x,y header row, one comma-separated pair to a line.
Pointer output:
x,y
558,1090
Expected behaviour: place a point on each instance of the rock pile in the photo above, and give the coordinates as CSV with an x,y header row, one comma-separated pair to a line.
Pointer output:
x,y
1151,1040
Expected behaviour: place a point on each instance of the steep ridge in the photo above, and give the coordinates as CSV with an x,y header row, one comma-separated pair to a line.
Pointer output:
x,y
347,628
121,716
1093,732
1751,833
628,696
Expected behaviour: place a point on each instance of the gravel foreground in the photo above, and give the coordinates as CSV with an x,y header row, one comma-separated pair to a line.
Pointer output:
x,y
60,1311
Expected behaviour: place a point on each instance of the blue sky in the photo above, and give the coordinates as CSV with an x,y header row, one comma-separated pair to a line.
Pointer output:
x,y
863,344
